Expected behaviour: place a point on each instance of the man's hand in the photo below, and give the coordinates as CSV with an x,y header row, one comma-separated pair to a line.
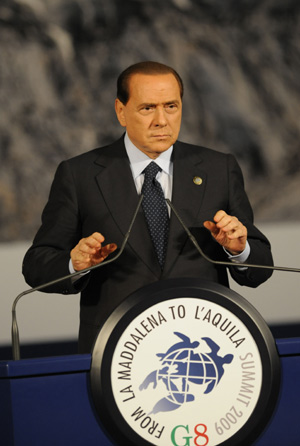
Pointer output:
x,y
90,251
228,231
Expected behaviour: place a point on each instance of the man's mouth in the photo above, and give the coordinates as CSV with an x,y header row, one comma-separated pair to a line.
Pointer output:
x,y
161,136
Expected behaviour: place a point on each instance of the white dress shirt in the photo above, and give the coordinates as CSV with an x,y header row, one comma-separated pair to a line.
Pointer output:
x,y
139,161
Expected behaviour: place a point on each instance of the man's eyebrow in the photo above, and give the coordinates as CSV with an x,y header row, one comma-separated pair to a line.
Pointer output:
x,y
147,104
150,104
172,102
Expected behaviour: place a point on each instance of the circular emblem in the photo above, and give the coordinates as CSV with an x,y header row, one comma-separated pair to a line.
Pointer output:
x,y
197,181
184,362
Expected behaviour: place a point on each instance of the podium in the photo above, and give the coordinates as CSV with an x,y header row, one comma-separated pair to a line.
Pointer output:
x,y
48,402
179,362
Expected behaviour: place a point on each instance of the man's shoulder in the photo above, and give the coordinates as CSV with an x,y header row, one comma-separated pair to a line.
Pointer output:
x,y
106,151
198,151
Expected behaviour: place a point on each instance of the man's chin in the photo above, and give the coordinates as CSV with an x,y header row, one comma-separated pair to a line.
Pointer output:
x,y
156,151
155,148
161,144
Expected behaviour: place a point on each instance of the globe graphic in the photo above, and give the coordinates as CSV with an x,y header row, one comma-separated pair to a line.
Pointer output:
x,y
182,367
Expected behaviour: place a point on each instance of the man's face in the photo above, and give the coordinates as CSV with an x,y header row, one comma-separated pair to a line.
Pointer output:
x,y
152,115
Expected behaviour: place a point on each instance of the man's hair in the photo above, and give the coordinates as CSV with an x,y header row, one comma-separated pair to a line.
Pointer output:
x,y
147,67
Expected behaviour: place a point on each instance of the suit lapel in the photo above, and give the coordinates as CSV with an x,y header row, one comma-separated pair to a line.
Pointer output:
x,y
119,192
189,182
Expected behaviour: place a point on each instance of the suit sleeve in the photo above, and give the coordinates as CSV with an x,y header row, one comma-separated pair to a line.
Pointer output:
x,y
48,257
240,207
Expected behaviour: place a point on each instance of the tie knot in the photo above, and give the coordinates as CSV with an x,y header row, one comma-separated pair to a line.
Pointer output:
x,y
152,170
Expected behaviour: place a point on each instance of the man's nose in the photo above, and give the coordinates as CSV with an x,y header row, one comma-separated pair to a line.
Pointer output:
x,y
160,117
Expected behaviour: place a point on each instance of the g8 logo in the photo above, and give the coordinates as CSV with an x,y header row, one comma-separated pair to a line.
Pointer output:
x,y
199,439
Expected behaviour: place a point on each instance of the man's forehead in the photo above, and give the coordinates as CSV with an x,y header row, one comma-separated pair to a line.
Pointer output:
x,y
154,88
141,80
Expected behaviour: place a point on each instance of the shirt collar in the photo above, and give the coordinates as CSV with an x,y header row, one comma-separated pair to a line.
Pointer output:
x,y
139,160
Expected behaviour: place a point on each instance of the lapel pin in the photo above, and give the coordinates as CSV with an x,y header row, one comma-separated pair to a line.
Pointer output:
x,y
197,181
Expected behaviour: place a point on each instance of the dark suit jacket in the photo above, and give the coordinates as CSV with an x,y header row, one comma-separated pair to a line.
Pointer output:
x,y
96,192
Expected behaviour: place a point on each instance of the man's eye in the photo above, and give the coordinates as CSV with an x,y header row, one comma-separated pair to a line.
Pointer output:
x,y
146,109
171,107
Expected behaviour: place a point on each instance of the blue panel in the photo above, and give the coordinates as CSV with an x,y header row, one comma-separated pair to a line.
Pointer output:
x,y
54,410
289,346
41,366
284,427
6,421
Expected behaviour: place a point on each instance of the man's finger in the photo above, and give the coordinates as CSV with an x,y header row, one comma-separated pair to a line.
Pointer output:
x,y
104,252
219,216
108,249
211,227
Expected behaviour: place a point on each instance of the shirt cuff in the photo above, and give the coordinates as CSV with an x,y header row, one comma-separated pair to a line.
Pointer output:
x,y
72,271
240,258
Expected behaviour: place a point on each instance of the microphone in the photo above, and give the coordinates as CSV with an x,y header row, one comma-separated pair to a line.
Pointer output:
x,y
15,330
220,262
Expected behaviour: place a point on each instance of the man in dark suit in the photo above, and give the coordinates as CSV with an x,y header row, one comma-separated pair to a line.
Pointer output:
x,y
94,195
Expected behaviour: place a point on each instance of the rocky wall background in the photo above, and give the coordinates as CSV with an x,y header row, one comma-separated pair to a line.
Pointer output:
x,y
59,60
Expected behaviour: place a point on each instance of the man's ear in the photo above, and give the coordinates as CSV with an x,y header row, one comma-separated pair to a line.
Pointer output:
x,y
119,107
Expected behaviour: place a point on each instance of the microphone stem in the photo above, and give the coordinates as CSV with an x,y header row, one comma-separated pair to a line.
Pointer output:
x,y
220,262
15,330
